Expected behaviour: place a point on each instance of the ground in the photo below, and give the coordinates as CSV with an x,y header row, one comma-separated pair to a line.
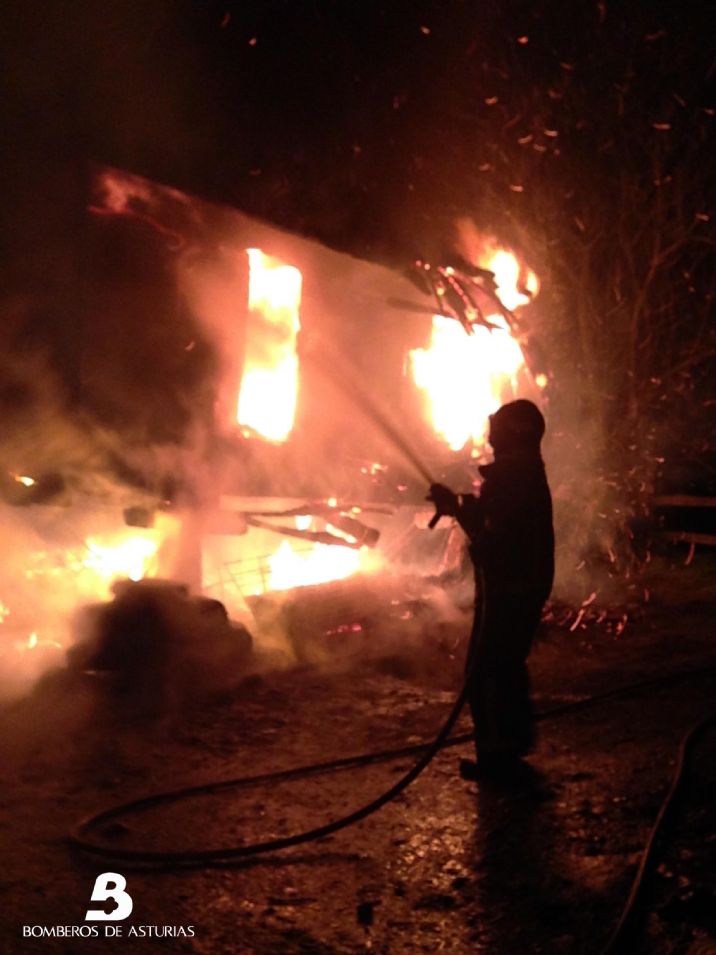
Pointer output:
x,y
448,866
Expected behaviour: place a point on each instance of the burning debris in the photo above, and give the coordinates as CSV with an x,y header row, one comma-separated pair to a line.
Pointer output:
x,y
324,541
474,295
269,425
341,525
465,380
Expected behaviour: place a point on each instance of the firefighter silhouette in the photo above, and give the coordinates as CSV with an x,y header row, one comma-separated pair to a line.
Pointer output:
x,y
511,544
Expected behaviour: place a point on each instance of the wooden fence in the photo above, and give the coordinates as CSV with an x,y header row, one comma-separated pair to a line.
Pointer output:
x,y
686,500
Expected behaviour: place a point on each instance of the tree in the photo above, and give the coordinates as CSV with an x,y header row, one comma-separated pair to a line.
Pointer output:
x,y
593,148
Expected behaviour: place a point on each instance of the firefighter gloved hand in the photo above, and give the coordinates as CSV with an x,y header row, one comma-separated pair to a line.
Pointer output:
x,y
444,499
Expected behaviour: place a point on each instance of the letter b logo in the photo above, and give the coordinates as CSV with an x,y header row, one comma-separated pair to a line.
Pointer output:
x,y
110,885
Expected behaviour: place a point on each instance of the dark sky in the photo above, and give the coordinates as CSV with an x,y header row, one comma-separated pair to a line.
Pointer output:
x,y
372,126
363,123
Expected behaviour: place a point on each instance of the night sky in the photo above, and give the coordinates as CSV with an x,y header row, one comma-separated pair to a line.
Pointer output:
x,y
581,134
364,123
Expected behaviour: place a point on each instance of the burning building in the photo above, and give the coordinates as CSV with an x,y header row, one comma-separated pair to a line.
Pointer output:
x,y
223,434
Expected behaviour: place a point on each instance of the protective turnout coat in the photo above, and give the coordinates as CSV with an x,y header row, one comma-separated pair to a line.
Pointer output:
x,y
512,546
510,527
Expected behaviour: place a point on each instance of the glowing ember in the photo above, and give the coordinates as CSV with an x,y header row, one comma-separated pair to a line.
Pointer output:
x,y
24,480
32,641
269,384
291,567
467,377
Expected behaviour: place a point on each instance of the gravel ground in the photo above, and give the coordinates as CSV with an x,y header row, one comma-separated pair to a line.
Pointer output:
x,y
447,867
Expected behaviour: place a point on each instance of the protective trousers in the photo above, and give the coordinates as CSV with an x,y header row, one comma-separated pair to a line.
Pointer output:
x,y
499,689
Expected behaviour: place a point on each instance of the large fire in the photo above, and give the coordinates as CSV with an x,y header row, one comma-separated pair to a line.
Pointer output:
x,y
89,569
464,378
292,566
267,407
265,565
467,377
133,557
269,383
50,583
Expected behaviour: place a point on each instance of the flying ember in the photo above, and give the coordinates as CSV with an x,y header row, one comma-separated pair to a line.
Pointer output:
x,y
269,383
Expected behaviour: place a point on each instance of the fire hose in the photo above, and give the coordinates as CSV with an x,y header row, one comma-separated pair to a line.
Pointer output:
x,y
80,835
620,936
77,834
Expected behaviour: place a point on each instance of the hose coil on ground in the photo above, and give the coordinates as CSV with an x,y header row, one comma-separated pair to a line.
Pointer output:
x,y
619,940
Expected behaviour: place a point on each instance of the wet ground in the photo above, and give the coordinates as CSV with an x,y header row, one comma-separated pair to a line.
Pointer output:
x,y
448,866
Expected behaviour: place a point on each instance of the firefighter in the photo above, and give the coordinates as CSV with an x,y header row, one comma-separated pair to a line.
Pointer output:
x,y
511,544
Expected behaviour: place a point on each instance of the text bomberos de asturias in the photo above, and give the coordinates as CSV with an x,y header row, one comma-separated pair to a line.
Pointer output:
x,y
108,931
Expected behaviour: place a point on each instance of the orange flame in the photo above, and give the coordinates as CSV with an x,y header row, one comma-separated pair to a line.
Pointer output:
x,y
269,384
87,572
464,377
133,557
516,285
300,563
467,377
291,567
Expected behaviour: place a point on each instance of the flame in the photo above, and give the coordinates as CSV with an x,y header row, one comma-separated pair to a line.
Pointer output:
x,y
24,479
269,384
36,620
291,567
467,377
516,285
134,558
301,563
87,571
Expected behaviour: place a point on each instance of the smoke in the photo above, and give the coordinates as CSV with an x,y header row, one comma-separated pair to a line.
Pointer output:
x,y
66,476
592,515
594,558
130,409
119,392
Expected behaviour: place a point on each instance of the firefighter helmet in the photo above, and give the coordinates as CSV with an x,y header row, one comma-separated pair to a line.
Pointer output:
x,y
516,424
